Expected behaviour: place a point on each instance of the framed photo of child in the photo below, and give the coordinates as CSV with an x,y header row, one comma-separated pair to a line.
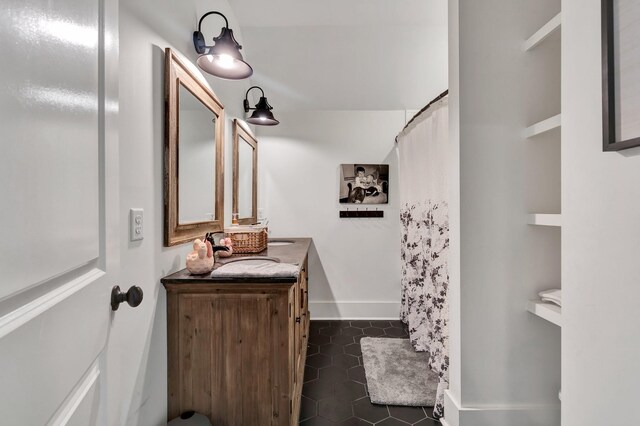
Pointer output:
x,y
364,183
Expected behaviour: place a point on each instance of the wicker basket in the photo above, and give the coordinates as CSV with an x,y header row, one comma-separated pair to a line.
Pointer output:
x,y
247,239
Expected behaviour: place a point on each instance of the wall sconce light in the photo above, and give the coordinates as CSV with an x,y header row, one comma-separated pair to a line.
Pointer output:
x,y
262,114
223,59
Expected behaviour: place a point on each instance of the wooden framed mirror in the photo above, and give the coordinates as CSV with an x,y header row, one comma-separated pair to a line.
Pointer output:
x,y
194,165
245,175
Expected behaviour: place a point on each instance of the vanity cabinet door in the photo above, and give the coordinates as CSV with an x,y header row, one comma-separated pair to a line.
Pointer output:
x,y
225,358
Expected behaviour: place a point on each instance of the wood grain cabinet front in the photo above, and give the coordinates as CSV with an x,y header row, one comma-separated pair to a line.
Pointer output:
x,y
236,350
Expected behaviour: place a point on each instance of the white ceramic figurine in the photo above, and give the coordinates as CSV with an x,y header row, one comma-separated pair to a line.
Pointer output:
x,y
200,260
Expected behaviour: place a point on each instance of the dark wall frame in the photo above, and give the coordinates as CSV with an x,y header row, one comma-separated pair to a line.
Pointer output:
x,y
608,85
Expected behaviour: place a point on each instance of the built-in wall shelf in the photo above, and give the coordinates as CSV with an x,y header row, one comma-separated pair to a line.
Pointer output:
x,y
548,311
544,219
543,126
543,33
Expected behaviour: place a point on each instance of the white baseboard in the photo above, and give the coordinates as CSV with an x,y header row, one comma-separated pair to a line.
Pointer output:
x,y
508,415
342,310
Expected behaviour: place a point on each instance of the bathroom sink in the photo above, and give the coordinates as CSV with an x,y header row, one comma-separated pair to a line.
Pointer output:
x,y
275,243
254,260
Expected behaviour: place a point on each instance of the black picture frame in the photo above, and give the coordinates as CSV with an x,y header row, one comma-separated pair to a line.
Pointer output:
x,y
610,141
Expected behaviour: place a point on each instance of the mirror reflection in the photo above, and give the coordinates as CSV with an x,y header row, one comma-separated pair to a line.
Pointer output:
x,y
196,160
245,174
245,179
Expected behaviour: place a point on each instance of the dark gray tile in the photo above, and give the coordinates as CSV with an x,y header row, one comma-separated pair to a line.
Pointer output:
x,y
339,393
310,373
398,324
352,331
312,349
345,361
373,332
331,331
428,422
392,422
407,414
428,411
396,332
349,390
318,360
381,324
357,339
319,339
353,349
354,421
364,409
314,328
308,408
341,340
357,374
331,349
318,389
361,324
317,421
334,409
333,373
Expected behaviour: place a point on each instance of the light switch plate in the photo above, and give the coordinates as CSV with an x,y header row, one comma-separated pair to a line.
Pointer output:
x,y
136,224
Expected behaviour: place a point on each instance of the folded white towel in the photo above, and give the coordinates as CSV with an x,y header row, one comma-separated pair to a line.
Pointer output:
x,y
264,270
553,296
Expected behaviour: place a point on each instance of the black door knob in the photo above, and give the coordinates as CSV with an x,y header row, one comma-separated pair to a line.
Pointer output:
x,y
133,297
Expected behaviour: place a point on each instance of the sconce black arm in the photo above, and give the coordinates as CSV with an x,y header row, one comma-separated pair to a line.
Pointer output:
x,y
198,38
247,108
226,21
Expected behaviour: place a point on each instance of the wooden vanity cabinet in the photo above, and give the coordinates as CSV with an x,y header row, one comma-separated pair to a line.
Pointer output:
x,y
236,350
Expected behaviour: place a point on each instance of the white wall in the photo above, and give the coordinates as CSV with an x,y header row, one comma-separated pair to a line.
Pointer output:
x,y
146,28
505,363
355,263
601,242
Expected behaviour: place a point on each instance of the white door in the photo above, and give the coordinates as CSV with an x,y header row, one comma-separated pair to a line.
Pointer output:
x,y
58,213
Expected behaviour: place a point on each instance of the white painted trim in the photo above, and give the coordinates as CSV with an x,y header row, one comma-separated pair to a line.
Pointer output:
x,y
544,219
451,409
68,409
26,313
547,311
346,310
543,126
543,33
497,415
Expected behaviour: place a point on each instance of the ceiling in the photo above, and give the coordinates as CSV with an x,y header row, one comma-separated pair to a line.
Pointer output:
x,y
346,54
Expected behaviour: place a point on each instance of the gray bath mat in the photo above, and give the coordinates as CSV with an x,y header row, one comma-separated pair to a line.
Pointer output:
x,y
397,374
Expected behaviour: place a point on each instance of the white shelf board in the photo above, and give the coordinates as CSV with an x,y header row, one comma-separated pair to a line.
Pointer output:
x,y
543,126
543,33
548,311
545,219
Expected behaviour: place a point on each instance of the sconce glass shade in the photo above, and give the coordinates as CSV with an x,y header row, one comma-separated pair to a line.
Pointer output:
x,y
223,59
262,115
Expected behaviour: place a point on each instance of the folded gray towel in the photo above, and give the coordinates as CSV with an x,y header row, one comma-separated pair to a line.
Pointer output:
x,y
265,270
553,296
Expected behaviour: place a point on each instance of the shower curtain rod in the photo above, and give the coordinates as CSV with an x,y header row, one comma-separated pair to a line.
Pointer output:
x,y
440,96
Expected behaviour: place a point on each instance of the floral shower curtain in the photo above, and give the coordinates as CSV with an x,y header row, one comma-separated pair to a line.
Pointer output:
x,y
424,188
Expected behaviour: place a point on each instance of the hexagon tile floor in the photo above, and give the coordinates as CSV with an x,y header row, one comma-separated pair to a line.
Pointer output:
x,y
335,388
